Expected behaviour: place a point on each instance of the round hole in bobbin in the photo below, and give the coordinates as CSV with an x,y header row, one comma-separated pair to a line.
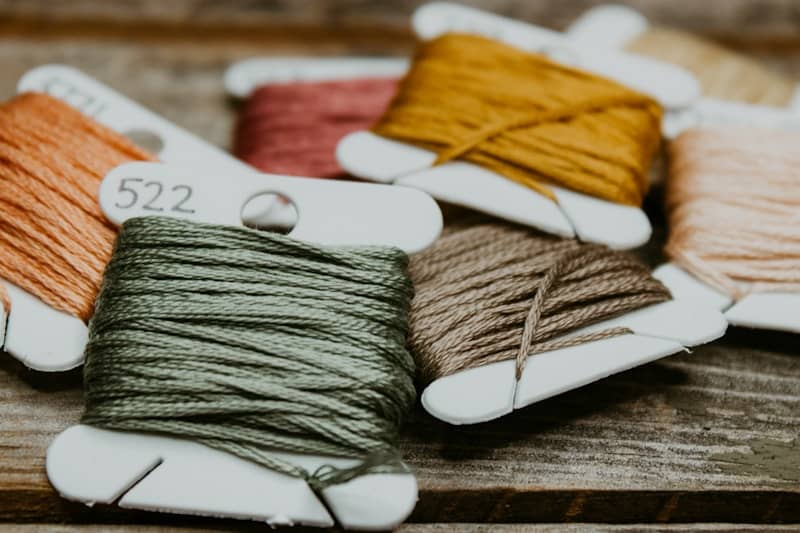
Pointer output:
x,y
146,140
270,211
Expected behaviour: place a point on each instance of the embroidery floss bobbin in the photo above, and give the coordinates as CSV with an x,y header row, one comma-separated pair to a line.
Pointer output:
x,y
526,151
249,341
288,356
525,117
524,316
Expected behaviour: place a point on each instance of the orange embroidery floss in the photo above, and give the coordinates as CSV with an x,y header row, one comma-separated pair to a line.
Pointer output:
x,y
54,239
527,118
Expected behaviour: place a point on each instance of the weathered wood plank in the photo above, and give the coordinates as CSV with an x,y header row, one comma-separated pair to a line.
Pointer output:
x,y
708,436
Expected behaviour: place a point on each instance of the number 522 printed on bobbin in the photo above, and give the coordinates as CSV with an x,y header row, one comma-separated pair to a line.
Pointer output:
x,y
148,189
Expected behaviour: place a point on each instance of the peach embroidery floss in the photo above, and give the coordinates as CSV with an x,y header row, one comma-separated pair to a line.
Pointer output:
x,y
733,202
527,118
293,128
54,239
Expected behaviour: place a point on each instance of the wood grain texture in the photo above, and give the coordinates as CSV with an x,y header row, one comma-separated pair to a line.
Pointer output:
x,y
773,17
710,436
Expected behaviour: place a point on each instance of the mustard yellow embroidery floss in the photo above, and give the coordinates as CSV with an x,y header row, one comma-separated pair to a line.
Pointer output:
x,y
527,118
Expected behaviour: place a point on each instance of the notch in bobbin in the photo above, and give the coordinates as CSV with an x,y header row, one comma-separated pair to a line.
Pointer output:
x,y
367,155
242,77
658,331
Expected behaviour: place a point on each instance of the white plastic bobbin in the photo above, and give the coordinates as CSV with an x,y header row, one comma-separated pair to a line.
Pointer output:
x,y
779,311
367,155
166,474
612,27
658,331
372,157
330,211
720,113
672,86
244,76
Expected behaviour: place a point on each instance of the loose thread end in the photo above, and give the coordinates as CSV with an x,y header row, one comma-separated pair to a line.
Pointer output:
x,y
381,462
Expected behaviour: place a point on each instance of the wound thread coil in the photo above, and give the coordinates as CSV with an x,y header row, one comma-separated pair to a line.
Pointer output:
x,y
253,343
732,201
490,291
293,128
527,118
54,239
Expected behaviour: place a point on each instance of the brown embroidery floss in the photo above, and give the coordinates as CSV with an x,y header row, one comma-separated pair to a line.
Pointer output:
x,y
54,239
490,291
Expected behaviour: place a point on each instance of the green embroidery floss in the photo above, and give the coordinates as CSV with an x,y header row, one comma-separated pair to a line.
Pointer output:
x,y
251,343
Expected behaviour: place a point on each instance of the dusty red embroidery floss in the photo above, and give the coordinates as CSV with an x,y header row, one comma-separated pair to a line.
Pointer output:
x,y
293,128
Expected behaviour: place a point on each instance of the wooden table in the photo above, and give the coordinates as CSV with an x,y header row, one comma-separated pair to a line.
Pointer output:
x,y
702,441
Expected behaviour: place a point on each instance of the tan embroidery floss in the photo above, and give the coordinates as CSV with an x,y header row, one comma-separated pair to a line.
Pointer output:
x,y
733,203
54,239
722,73
491,291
